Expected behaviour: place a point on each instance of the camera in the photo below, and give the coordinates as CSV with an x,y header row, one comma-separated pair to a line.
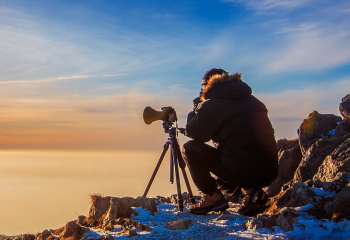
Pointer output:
x,y
168,114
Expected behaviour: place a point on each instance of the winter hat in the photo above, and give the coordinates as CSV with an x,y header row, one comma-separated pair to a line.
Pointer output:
x,y
212,72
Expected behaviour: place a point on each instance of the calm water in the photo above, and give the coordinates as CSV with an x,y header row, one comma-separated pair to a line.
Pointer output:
x,y
45,189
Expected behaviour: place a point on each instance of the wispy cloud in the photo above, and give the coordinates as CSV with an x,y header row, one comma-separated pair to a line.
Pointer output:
x,y
179,89
312,49
287,109
304,27
44,49
113,75
165,16
263,5
45,80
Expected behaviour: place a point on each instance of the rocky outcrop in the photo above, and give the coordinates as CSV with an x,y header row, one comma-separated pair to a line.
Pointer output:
x,y
314,156
314,127
299,195
106,209
338,161
344,108
289,157
320,184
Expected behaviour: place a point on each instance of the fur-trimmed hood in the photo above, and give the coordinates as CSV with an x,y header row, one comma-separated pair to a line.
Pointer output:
x,y
226,86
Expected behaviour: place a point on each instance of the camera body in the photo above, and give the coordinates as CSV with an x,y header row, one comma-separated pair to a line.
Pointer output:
x,y
168,114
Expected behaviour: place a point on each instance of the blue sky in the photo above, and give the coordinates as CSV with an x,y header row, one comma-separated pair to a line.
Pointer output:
x,y
86,69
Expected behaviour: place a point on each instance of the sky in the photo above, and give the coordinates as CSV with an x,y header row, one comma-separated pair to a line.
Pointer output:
x,y
78,74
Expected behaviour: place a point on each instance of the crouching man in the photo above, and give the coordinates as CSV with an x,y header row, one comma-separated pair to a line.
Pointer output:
x,y
245,154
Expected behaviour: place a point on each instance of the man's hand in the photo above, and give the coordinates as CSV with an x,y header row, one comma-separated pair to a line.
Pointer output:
x,y
196,101
182,130
169,114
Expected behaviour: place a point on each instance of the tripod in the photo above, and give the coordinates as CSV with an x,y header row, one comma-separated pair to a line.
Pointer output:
x,y
176,161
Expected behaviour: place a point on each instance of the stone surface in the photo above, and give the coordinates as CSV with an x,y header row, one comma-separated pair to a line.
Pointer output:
x,y
72,231
284,144
342,129
106,209
296,196
315,155
44,235
128,233
288,161
344,107
128,223
282,221
314,127
28,237
185,198
327,186
338,161
254,224
180,224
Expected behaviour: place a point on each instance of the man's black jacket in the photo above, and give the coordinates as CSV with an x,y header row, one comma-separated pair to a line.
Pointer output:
x,y
239,127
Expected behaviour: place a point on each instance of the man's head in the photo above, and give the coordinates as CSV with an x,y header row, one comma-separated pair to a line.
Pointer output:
x,y
210,73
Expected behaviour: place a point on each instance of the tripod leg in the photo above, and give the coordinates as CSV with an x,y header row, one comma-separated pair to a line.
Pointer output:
x,y
165,149
179,195
182,166
171,168
193,201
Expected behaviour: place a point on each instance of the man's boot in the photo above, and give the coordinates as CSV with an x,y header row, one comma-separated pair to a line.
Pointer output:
x,y
253,202
215,202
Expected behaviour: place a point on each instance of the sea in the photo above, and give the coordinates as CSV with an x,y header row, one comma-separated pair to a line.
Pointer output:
x,y
44,189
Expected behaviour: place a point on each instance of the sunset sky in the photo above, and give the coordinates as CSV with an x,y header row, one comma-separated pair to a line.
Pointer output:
x,y
78,74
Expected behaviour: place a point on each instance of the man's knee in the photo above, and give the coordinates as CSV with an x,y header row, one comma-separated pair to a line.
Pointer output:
x,y
192,146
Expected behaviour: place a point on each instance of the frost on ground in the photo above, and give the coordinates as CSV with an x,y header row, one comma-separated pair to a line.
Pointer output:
x,y
223,226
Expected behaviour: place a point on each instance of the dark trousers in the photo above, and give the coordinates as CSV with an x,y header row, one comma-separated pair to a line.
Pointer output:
x,y
202,160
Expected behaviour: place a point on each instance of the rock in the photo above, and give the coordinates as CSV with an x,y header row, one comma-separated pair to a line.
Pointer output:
x,y
44,235
342,129
72,231
284,144
285,220
128,233
327,186
81,220
342,176
163,199
179,224
344,108
128,223
315,155
269,221
109,237
343,195
337,161
117,209
331,207
296,196
185,198
339,205
28,237
253,224
106,209
314,127
288,161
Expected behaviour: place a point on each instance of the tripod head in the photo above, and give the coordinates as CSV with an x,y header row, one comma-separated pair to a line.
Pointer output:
x,y
167,126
